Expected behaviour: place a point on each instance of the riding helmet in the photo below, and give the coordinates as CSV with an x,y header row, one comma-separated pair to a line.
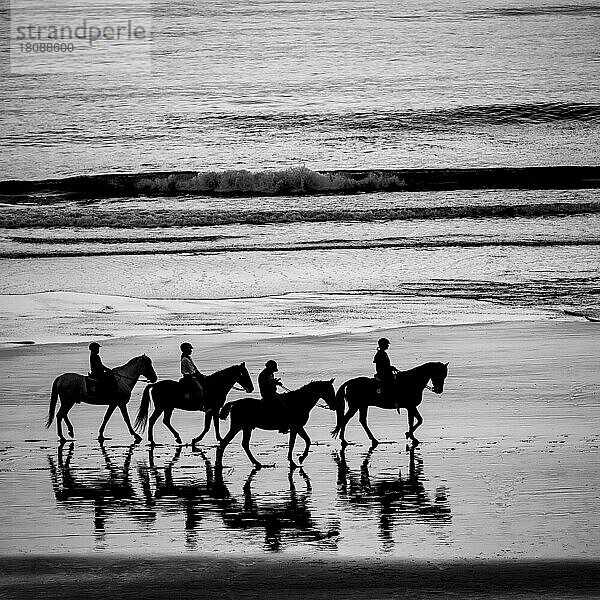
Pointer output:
x,y
383,343
271,365
186,347
94,346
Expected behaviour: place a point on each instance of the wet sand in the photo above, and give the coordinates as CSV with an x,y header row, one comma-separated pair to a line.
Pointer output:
x,y
500,499
124,577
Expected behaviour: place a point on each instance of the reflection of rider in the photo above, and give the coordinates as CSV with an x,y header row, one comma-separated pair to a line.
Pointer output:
x,y
102,374
268,384
191,375
385,373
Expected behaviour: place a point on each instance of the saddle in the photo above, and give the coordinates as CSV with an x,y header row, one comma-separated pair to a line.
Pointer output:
x,y
93,386
99,388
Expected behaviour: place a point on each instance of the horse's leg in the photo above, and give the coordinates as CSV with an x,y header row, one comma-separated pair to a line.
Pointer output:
x,y
167,422
302,433
246,446
65,407
413,414
151,421
215,417
207,420
136,437
362,417
293,465
351,412
109,411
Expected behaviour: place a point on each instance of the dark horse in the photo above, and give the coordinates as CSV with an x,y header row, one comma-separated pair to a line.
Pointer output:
x,y
72,388
406,392
169,395
292,413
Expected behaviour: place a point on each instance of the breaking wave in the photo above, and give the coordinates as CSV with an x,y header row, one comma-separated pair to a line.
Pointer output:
x,y
294,181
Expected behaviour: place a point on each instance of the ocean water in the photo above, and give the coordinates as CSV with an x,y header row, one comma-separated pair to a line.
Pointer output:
x,y
337,84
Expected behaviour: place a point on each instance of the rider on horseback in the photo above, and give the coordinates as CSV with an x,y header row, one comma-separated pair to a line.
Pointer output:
x,y
385,373
107,383
268,384
191,376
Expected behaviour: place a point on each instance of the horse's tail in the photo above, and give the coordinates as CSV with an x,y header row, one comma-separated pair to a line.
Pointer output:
x,y
142,416
224,412
340,405
53,401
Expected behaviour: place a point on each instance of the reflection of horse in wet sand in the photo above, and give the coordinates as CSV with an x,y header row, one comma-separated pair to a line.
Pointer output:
x,y
290,412
393,497
291,515
405,392
169,395
72,388
195,495
109,489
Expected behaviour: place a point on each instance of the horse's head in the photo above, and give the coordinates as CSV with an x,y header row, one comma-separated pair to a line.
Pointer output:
x,y
327,392
147,370
439,376
243,378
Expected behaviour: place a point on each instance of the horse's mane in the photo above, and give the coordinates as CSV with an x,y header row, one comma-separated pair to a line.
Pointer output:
x,y
224,371
418,369
131,361
305,387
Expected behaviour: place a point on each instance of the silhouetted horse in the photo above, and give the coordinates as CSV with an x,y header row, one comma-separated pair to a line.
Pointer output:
x,y
169,395
406,391
72,388
292,413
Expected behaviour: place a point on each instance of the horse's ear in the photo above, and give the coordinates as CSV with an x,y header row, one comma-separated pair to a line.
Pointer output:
x,y
243,364
332,380
446,364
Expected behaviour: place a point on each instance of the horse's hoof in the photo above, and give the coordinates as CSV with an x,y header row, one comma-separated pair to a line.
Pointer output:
x,y
257,466
293,465
344,444
408,435
137,439
415,441
374,444
302,458
178,441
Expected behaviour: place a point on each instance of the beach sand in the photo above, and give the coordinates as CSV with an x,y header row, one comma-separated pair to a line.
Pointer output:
x,y
500,499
